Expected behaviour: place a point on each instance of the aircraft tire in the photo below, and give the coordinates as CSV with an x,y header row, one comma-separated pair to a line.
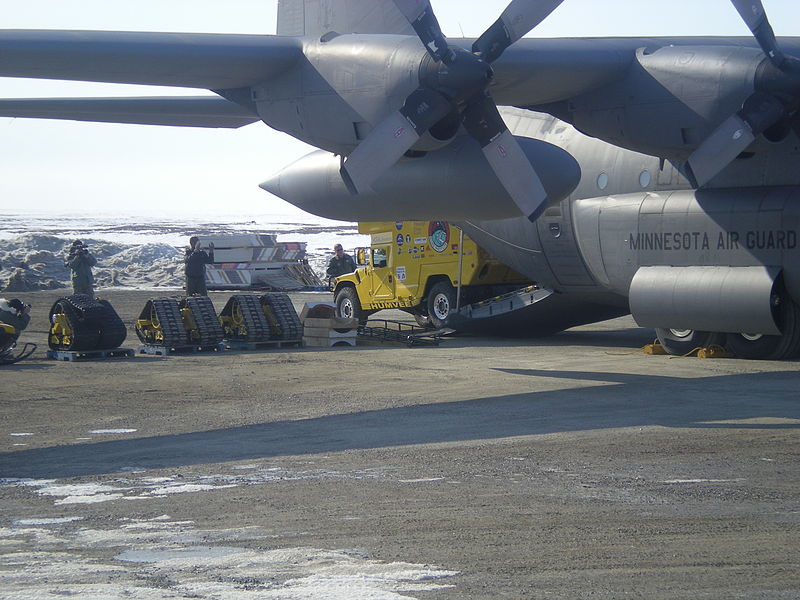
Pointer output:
x,y
348,306
680,342
771,347
441,302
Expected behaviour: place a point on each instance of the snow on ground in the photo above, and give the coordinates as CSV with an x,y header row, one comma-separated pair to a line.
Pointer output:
x,y
149,559
140,252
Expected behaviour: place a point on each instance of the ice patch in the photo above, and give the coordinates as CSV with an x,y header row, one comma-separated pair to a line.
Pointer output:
x,y
172,555
19,434
186,488
676,481
80,489
111,431
44,521
94,499
144,488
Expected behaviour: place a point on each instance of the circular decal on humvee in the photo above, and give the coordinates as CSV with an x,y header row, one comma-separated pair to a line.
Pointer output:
x,y
439,235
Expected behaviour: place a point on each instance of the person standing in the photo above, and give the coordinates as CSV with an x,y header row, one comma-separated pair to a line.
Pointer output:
x,y
80,262
195,263
340,263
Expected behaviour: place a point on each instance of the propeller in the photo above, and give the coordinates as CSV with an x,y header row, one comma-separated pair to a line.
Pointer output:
x,y
456,82
776,100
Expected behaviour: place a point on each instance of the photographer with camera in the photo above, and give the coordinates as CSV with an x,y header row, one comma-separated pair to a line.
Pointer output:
x,y
195,263
14,317
80,262
13,312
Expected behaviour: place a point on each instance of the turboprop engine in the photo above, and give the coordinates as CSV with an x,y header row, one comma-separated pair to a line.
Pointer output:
x,y
452,183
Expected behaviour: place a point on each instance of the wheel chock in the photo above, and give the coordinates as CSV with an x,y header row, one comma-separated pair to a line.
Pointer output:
x,y
654,349
714,352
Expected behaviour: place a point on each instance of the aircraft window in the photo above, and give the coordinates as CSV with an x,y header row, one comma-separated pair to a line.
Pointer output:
x,y
644,178
379,257
602,181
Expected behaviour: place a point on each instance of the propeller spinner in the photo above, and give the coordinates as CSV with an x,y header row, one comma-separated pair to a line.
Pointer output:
x,y
776,99
459,83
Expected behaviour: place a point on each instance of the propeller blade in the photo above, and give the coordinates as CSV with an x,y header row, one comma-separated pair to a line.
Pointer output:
x,y
393,137
760,111
517,19
483,122
422,18
755,17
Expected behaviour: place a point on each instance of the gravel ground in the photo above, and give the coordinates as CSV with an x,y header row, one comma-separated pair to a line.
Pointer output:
x,y
570,467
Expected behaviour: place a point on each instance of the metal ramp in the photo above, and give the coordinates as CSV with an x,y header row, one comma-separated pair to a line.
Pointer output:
x,y
500,305
382,330
531,312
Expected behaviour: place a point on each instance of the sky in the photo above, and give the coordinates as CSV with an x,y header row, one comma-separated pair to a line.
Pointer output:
x,y
107,168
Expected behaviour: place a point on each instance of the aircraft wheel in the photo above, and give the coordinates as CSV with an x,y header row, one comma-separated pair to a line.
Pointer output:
x,y
771,347
348,305
683,341
441,303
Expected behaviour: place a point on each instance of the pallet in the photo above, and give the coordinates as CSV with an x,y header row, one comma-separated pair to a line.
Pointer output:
x,y
243,345
328,342
168,350
76,355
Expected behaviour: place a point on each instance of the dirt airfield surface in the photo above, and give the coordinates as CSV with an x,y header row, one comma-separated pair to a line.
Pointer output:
x,y
569,467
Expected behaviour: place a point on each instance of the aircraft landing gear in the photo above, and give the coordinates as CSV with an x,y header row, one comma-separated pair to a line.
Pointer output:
x,y
771,347
683,341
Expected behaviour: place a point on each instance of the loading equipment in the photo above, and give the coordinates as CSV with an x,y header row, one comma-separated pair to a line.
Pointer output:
x,y
283,320
8,341
79,322
201,322
178,323
243,320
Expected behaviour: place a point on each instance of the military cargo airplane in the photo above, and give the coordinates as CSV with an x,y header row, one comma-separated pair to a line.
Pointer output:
x,y
644,175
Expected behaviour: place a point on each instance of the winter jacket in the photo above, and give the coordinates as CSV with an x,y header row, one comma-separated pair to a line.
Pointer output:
x,y
81,266
341,266
195,262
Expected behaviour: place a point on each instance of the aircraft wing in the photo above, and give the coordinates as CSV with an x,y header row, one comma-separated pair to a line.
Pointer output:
x,y
192,111
193,60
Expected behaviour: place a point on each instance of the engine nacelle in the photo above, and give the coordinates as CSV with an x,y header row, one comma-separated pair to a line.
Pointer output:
x,y
440,134
454,183
346,85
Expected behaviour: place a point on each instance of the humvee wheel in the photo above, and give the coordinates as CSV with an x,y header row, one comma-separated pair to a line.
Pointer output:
x,y
348,305
441,303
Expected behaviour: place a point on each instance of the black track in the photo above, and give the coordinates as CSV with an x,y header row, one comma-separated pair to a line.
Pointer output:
x,y
256,327
168,314
95,324
209,330
288,325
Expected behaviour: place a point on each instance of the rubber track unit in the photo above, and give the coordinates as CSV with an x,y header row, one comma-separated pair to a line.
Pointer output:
x,y
288,326
256,327
209,330
114,331
164,317
95,325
